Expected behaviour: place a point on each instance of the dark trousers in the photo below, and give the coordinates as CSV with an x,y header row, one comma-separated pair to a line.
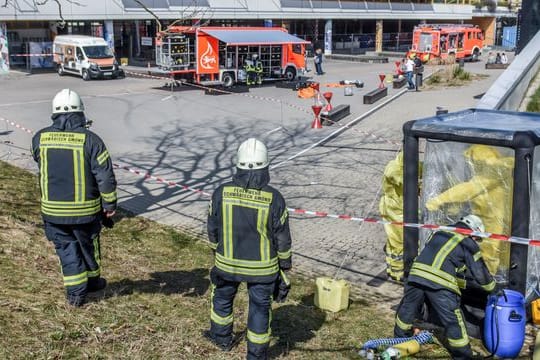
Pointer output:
x,y
318,68
78,248
259,316
445,305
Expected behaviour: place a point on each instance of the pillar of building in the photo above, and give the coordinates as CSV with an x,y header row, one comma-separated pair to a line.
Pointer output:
x,y
328,37
137,39
108,33
378,35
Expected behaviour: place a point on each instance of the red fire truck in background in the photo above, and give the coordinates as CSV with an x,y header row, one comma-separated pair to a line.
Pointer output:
x,y
217,55
461,41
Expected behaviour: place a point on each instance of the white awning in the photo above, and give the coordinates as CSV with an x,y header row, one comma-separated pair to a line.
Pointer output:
x,y
254,37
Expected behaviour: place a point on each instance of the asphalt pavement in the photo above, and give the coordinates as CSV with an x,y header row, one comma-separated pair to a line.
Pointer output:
x,y
183,136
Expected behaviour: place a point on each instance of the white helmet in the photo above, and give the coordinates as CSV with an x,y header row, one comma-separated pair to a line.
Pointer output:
x,y
252,155
67,101
473,222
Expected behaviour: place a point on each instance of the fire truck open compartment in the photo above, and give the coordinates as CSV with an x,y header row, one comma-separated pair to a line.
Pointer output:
x,y
219,54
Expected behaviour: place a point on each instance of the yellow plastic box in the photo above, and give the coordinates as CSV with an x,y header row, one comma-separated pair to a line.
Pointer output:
x,y
331,295
123,61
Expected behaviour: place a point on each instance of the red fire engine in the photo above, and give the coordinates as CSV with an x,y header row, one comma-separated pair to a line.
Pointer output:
x,y
218,55
460,41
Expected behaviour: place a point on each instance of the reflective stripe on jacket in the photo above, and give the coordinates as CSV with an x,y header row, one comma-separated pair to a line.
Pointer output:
x,y
444,256
249,230
76,175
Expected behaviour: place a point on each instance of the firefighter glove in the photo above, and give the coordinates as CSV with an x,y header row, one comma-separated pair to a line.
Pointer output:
x,y
281,287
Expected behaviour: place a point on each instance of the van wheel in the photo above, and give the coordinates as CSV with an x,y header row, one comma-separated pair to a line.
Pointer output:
x,y
290,73
85,75
227,79
60,70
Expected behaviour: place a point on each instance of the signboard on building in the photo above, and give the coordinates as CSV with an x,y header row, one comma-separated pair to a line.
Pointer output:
x,y
4,49
146,41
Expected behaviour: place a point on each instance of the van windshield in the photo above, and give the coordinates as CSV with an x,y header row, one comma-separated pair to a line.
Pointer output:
x,y
98,52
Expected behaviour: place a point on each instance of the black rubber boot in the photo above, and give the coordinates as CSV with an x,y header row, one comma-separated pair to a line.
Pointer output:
x,y
98,284
223,345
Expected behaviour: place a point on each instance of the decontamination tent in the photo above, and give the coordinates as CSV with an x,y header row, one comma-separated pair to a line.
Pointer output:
x,y
247,36
482,161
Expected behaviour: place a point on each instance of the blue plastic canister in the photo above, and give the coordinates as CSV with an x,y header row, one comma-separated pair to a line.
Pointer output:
x,y
504,324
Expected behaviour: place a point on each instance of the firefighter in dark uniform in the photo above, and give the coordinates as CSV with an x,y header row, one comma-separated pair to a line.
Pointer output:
x,y
435,277
248,229
78,189
254,70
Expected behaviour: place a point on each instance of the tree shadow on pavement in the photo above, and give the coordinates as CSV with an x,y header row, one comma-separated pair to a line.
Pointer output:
x,y
188,283
294,324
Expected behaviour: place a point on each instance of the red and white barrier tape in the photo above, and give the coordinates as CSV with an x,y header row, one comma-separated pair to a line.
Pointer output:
x,y
321,214
148,175
17,125
146,75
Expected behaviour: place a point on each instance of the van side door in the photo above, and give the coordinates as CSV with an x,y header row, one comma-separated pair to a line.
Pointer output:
x,y
79,58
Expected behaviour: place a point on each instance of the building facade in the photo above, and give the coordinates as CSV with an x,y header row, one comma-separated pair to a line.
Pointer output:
x,y
337,26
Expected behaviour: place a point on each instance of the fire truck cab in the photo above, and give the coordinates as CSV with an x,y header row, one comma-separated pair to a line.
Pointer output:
x,y
218,55
461,41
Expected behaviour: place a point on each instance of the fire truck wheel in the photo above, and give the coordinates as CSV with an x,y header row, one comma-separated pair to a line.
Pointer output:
x,y
60,70
290,73
85,75
227,79
476,55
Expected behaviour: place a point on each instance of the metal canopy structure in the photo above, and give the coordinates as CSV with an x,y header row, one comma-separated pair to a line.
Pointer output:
x,y
249,37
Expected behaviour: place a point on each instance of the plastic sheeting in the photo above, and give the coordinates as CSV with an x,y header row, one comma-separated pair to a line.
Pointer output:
x,y
533,256
461,179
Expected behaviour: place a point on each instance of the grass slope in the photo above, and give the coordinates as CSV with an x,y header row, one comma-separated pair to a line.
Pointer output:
x,y
157,301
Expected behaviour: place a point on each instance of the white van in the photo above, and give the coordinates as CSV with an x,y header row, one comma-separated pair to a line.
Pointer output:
x,y
87,56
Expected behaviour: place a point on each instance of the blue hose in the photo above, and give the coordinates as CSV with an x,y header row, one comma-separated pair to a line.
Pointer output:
x,y
423,337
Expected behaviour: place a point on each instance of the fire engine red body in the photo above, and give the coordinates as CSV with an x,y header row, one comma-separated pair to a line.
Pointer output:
x,y
447,40
218,54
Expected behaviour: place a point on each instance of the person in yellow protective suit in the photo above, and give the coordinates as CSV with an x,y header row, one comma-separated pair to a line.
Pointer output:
x,y
489,194
391,209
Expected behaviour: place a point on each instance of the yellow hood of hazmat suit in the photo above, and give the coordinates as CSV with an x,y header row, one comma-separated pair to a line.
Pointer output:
x,y
489,194
391,209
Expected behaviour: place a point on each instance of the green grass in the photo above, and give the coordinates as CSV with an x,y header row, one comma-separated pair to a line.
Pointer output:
x,y
534,103
451,75
157,301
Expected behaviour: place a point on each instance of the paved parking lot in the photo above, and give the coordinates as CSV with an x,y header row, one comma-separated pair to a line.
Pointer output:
x,y
191,138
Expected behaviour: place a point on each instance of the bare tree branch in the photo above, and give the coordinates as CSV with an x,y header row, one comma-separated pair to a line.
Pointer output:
x,y
151,13
186,14
37,3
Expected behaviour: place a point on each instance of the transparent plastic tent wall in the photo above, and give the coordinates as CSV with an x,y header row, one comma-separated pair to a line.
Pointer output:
x,y
482,162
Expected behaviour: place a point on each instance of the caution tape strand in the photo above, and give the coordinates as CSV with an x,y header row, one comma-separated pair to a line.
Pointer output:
x,y
323,214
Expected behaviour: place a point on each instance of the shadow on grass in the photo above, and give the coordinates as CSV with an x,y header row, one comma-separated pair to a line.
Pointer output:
x,y
294,324
188,283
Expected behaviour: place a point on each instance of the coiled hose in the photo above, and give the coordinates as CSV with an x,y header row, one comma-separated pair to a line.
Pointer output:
x,y
423,337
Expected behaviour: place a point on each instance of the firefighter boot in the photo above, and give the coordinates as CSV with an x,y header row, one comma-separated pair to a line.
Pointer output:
x,y
224,344
96,284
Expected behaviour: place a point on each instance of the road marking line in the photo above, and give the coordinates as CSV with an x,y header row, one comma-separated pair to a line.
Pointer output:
x,y
273,131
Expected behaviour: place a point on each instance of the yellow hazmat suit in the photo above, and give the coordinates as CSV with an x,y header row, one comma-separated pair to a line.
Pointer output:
x,y
489,194
391,209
